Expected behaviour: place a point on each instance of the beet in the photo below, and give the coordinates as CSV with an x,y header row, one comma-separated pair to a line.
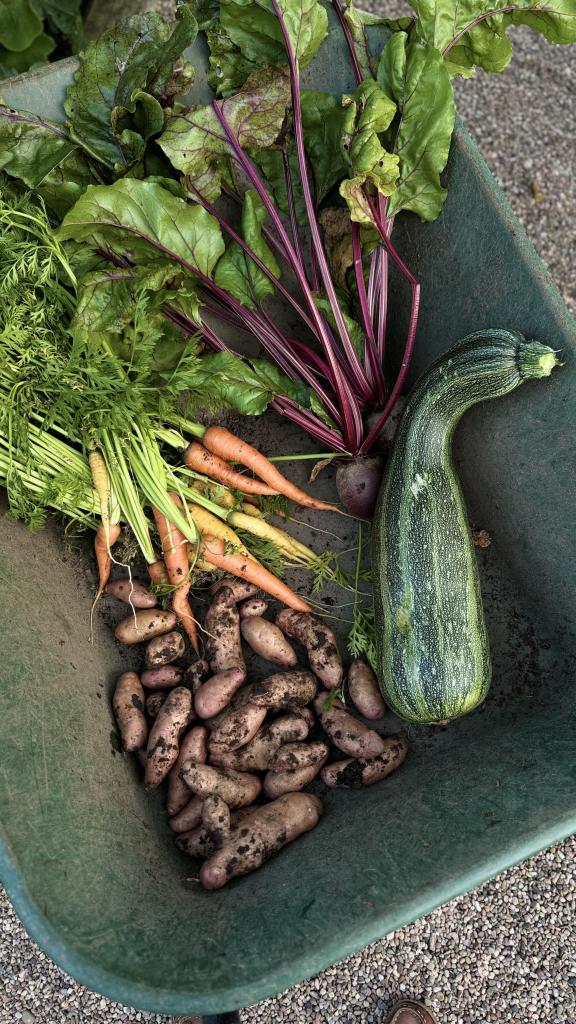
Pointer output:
x,y
358,482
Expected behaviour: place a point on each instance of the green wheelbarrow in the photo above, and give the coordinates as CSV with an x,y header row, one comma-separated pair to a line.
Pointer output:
x,y
86,855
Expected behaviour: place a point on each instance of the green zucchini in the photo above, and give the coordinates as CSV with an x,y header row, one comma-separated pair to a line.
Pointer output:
x,y
432,646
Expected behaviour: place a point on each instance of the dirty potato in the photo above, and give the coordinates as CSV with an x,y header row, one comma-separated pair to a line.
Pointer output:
x,y
241,589
364,691
161,678
128,706
193,750
237,789
195,674
189,817
165,649
154,702
144,625
216,819
259,753
260,836
132,592
278,783
268,641
222,626
215,694
253,606
354,773
237,727
346,732
291,756
164,738
319,641
284,689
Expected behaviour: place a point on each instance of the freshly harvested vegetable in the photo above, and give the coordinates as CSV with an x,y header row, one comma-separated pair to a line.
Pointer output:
x,y
241,589
163,742
189,816
222,443
222,626
433,651
237,727
358,483
278,783
267,639
164,649
196,842
197,457
259,753
215,694
213,551
261,835
175,550
128,705
345,731
306,714
319,641
195,674
364,691
162,677
354,773
253,606
132,592
199,843
284,690
144,624
237,789
216,819
154,702
193,750
291,756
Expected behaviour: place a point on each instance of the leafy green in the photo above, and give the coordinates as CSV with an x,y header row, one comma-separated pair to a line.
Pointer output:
x,y
324,119
14,62
228,68
147,222
247,36
474,32
20,24
271,163
416,77
236,272
255,30
195,142
246,385
115,103
368,112
63,15
42,155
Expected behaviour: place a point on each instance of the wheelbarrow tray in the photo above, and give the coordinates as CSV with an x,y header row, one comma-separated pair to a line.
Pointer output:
x,y
86,855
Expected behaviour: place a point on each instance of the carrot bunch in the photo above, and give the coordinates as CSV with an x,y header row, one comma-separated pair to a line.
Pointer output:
x,y
200,531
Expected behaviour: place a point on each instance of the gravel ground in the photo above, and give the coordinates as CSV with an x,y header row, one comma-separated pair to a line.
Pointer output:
x,y
505,954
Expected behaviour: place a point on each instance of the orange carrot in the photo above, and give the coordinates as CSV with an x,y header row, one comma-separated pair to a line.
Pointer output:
x,y
222,443
157,573
202,461
175,548
105,538
213,551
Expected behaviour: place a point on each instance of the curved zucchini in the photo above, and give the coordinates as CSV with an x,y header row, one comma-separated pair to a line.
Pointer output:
x,y
433,652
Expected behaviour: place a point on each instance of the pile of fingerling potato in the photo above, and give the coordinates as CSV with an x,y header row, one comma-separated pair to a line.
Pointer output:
x,y
238,755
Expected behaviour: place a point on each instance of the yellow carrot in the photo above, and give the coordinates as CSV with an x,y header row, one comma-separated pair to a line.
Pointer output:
x,y
282,540
209,524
